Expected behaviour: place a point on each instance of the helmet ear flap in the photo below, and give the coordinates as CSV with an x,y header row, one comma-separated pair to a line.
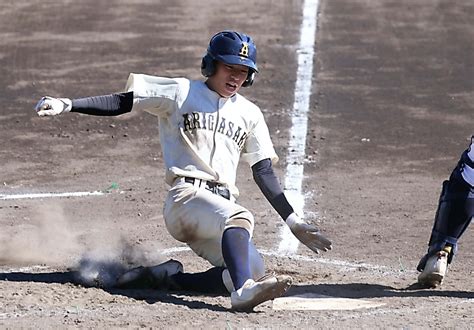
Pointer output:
x,y
208,67
250,77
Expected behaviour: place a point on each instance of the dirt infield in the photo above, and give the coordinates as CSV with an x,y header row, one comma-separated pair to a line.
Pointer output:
x,y
390,113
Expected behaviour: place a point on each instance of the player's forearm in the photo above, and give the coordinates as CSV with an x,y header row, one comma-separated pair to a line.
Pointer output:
x,y
104,105
268,183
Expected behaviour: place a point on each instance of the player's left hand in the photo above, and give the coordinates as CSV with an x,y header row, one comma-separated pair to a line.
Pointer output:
x,y
308,234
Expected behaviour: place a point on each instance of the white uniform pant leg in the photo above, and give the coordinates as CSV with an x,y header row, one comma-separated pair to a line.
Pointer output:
x,y
198,217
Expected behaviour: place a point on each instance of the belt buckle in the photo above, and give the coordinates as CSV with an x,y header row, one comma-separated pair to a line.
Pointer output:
x,y
217,189
213,187
224,192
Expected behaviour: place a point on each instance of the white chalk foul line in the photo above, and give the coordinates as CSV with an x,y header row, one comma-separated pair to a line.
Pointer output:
x,y
50,195
342,264
297,143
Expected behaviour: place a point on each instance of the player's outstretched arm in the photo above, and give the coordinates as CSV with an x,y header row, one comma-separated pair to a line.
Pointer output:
x,y
268,183
104,105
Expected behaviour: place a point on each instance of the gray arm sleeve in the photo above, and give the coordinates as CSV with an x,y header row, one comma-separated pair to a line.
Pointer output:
x,y
104,105
268,183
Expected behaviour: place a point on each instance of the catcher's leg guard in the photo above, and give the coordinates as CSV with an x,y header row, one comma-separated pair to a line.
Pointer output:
x,y
453,216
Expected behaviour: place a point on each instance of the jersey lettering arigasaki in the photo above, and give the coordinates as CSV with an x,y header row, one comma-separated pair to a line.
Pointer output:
x,y
202,134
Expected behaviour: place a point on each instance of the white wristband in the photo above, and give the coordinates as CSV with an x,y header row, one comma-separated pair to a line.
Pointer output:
x,y
67,104
293,219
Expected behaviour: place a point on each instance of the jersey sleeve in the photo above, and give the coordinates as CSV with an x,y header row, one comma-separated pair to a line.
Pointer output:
x,y
258,144
156,95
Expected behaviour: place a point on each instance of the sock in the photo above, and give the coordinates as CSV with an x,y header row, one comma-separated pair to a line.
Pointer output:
x,y
235,250
209,281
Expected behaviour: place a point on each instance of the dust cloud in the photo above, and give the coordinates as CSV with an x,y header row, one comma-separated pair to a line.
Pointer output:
x,y
94,261
102,267
48,240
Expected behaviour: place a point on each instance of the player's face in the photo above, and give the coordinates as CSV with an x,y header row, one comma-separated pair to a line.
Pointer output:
x,y
228,79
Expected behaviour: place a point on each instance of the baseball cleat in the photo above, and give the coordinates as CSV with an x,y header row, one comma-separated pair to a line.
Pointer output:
x,y
253,293
435,270
153,277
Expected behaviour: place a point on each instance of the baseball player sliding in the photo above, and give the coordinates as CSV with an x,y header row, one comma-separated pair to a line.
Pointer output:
x,y
205,127
454,214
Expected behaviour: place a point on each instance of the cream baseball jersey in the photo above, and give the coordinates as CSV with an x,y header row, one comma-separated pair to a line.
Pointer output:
x,y
202,134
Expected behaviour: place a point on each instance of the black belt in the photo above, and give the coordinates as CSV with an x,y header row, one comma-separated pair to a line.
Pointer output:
x,y
213,187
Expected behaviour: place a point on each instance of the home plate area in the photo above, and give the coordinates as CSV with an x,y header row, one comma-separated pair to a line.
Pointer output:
x,y
312,301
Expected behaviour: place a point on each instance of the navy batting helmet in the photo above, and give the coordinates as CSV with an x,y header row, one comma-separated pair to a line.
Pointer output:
x,y
231,47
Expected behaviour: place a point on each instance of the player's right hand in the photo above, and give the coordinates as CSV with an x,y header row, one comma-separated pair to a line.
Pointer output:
x,y
50,106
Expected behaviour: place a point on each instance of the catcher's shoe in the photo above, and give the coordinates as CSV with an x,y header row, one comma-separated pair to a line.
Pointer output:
x,y
253,293
435,270
153,277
